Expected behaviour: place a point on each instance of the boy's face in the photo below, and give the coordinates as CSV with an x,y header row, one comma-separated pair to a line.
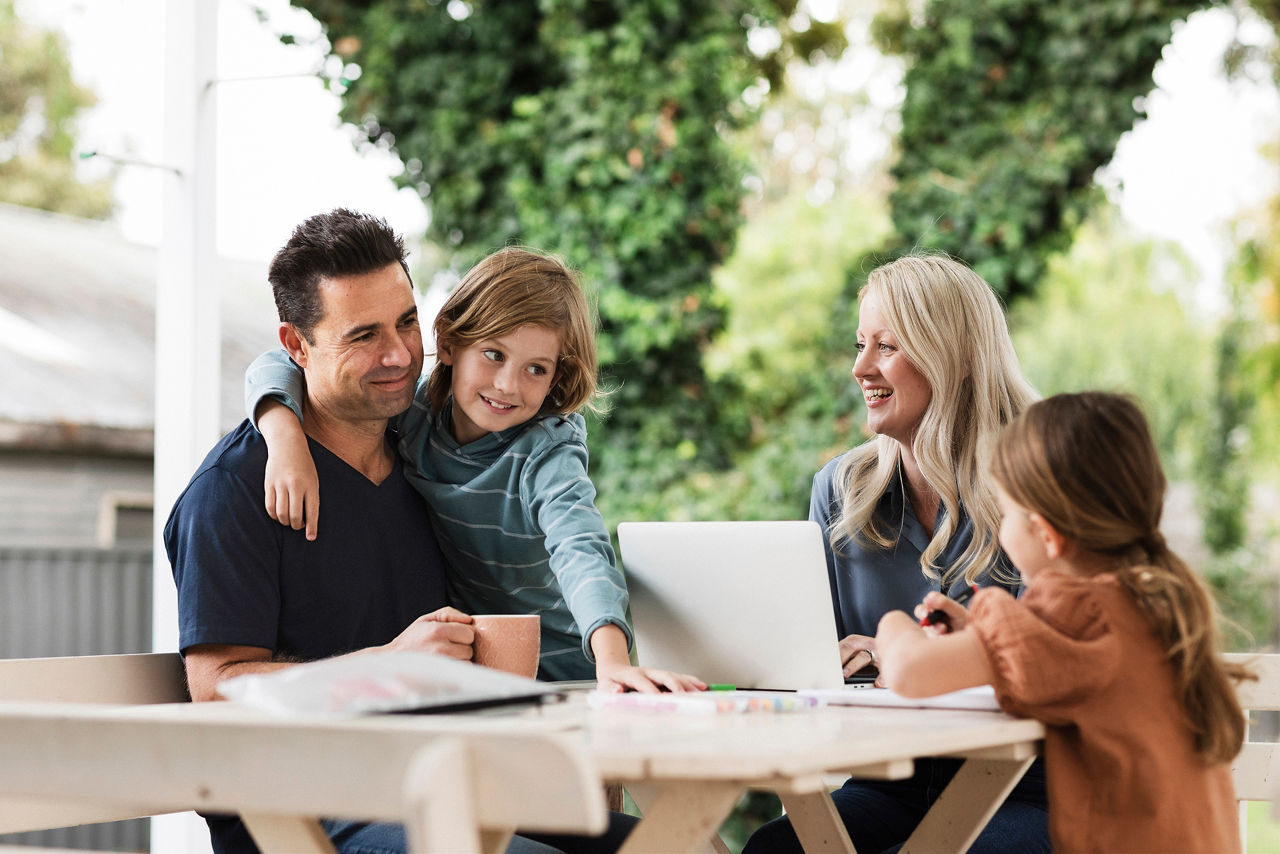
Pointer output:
x,y
366,352
501,382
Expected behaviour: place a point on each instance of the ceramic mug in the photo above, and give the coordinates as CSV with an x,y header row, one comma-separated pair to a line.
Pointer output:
x,y
509,642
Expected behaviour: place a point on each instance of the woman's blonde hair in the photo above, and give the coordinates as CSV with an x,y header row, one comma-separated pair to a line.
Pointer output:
x,y
1086,463
517,287
950,326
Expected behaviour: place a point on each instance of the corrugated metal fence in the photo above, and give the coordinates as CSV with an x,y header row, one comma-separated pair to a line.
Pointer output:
x,y
76,601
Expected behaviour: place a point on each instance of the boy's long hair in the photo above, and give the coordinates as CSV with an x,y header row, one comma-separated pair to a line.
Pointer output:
x,y
517,287
1086,463
950,326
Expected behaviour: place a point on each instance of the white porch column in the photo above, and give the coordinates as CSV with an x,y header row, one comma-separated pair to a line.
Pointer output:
x,y
188,331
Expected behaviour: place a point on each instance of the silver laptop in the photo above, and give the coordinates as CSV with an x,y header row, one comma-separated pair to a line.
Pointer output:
x,y
742,603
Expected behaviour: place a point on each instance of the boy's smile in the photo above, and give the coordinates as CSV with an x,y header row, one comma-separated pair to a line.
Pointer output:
x,y
501,382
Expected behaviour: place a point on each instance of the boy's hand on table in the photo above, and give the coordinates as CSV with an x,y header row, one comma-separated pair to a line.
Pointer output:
x,y
615,673
646,680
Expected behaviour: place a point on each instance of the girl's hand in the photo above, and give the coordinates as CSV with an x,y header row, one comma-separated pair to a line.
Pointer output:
x,y
917,664
957,614
856,653
647,680
895,631
291,484
894,626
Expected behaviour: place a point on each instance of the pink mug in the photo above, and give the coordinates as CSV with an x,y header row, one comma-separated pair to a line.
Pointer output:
x,y
509,642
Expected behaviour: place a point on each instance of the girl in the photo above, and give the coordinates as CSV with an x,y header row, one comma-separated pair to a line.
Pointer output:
x,y
499,452
1114,645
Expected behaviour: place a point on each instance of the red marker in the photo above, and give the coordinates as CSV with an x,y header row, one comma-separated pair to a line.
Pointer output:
x,y
939,617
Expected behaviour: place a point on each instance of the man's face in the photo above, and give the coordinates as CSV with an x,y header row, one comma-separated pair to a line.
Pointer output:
x,y
365,355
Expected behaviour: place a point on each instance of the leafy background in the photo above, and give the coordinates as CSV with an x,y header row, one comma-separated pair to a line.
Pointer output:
x,y
643,141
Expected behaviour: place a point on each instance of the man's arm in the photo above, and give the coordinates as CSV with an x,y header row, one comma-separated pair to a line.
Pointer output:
x,y
446,631
209,664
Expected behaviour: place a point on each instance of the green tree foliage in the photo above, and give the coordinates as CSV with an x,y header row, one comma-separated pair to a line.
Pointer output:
x,y
1257,307
1255,286
1228,462
1011,107
39,102
599,130
1112,313
796,394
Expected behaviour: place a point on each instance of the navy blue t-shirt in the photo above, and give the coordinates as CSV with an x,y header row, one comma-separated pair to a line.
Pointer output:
x,y
245,579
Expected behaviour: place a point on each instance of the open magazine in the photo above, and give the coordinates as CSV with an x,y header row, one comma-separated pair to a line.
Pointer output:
x,y
398,681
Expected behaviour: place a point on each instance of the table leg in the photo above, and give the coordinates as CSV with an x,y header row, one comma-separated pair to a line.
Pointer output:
x,y
643,794
966,805
495,841
287,833
817,824
613,796
680,816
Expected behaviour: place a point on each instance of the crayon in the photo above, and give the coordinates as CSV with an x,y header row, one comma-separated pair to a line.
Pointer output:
x,y
939,617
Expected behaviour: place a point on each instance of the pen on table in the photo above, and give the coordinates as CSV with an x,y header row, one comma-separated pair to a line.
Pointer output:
x,y
939,617
722,687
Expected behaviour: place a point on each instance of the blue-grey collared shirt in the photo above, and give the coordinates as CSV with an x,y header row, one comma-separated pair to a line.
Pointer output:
x,y
867,582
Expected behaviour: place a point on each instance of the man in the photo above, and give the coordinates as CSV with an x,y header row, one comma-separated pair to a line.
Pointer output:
x,y
255,596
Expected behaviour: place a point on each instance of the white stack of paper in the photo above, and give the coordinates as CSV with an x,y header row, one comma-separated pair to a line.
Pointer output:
x,y
383,682
982,698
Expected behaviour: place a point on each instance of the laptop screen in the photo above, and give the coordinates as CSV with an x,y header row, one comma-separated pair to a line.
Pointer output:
x,y
742,603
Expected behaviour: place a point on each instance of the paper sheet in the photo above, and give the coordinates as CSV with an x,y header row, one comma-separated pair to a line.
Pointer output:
x,y
705,702
981,698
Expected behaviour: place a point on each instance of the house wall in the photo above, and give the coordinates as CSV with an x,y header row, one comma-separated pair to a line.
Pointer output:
x,y
60,499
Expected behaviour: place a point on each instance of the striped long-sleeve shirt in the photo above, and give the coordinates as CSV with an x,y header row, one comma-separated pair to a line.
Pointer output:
x,y
514,513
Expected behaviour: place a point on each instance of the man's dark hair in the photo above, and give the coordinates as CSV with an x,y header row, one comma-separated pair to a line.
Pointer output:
x,y
339,243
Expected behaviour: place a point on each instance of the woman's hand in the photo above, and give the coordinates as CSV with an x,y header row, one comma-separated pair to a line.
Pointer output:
x,y
857,652
957,614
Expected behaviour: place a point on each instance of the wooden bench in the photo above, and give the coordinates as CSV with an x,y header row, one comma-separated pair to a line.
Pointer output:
x,y
1255,772
132,679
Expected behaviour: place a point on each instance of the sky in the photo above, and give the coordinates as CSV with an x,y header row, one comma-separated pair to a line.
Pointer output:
x,y
1180,175
283,155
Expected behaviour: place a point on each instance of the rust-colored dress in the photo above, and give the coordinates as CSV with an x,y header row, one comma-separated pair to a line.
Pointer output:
x,y
1122,775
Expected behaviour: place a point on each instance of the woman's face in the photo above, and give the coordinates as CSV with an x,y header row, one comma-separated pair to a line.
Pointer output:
x,y
896,394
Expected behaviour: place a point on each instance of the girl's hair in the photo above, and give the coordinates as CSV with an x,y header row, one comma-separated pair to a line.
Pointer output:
x,y
949,325
1087,464
517,287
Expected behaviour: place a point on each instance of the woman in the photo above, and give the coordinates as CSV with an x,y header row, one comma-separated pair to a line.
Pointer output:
x,y
908,512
